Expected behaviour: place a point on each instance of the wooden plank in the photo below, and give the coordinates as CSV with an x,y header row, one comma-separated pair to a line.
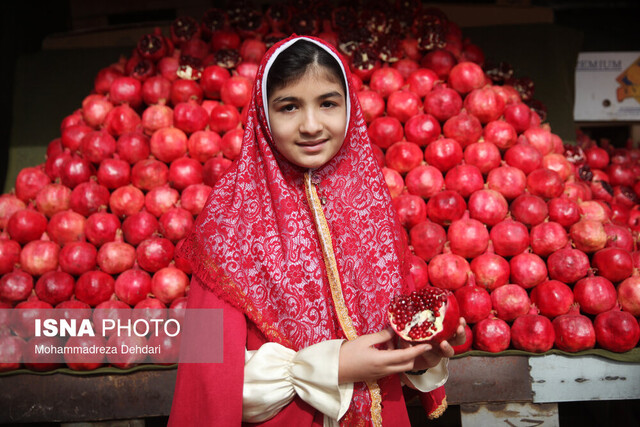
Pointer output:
x,y
488,379
60,397
562,379
510,414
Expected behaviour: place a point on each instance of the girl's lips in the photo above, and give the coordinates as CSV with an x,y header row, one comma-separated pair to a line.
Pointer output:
x,y
311,143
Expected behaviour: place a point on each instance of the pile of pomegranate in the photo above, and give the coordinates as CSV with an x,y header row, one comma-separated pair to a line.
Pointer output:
x,y
536,238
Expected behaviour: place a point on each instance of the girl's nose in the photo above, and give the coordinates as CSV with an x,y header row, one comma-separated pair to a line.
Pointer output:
x,y
310,123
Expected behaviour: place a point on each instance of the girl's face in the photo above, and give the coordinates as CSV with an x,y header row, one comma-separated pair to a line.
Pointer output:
x,y
308,118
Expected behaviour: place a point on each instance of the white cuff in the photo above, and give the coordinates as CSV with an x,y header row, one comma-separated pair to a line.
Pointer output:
x,y
430,380
274,374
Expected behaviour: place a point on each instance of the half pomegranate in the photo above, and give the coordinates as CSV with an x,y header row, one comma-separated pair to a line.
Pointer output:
x,y
429,314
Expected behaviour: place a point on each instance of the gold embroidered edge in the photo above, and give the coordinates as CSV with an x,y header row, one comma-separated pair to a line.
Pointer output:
x,y
336,288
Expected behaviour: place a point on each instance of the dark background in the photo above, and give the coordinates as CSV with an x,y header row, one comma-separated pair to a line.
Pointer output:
x,y
588,26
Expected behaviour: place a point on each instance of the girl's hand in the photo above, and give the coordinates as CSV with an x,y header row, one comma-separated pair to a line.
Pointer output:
x,y
432,356
361,360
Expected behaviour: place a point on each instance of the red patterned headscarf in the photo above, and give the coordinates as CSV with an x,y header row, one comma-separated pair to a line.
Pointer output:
x,y
307,255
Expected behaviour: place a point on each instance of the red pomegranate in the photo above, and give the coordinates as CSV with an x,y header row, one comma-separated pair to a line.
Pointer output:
x,y
568,264
125,201
510,301
66,226
417,270
485,104
445,207
139,226
422,129
564,211
101,227
552,297
527,270
169,283
588,235
156,117
574,331
529,209
545,183
507,180
421,81
500,133
154,253
629,294
532,332
16,286
466,76
484,155
116,257
78,257
491,270
114,173
442,103
213,169
167,144
203,145
448,270
54,287
39,256
372,104
384,131
94,287
616,330
386,80
464,179
613,263
132,286
468,237
133,147
403,105
491,334
175,223
487,206
403,156
595,294
26,225
548,237
509,237
190,117
463,127
89,197
429,314
474,301
394,181
194,198
427,239
9,254
9,204
97,146
424,181
443,154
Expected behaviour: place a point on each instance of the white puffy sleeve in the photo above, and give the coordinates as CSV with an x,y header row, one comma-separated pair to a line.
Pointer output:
x,y
274,375
430,380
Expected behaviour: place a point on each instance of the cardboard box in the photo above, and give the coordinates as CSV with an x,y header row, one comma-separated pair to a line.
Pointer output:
x,y
607,86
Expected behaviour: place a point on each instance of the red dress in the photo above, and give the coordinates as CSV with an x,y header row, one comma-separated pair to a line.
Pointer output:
x,y
297,258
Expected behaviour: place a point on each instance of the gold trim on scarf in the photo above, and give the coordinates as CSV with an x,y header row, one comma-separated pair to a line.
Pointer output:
x,y
336,287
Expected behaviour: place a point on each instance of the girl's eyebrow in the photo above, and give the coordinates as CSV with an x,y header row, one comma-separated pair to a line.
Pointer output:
x,y
281,99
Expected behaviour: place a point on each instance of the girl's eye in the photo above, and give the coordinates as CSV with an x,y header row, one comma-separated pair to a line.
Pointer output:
x,y
287,108
328,104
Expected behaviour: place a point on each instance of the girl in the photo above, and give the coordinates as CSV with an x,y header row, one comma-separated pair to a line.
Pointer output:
x,y
301,248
